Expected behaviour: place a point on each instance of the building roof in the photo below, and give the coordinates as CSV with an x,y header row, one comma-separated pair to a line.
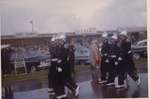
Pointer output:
x,y
134,29
4,46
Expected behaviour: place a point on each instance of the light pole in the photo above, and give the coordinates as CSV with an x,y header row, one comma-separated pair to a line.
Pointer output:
x,y
1,27
1,24
32,25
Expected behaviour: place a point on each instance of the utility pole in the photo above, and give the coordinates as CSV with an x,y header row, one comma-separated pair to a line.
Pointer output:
x,y
32,25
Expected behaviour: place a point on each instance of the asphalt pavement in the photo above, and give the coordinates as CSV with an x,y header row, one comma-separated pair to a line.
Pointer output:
x,y
37,89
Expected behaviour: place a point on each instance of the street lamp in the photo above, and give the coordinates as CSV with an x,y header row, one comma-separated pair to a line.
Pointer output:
x,y
32,24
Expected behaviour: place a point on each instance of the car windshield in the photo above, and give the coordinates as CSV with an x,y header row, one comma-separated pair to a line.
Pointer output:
x,y
144,43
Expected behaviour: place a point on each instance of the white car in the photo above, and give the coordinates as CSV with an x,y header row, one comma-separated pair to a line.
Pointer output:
x,y
139,49
82,54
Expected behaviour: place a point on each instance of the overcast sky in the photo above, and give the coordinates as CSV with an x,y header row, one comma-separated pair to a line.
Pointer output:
x,y
70,15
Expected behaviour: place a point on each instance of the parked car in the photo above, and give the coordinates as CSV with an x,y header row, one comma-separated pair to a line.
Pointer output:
x,y
139,49
31,60
82,55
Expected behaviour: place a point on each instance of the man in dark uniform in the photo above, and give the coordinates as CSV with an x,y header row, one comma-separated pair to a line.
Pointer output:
x,y
7,66
63,70
60,90
52,67
104,54
112,59
68,54
129,65
71,56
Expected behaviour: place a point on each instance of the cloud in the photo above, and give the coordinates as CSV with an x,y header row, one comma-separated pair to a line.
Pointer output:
x,y
123,13
70,15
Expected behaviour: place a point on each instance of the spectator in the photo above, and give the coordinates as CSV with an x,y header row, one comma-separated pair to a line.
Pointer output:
x,y
95,59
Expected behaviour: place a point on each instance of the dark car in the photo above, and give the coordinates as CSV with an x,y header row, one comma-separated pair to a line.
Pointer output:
x,y
139,49
31,60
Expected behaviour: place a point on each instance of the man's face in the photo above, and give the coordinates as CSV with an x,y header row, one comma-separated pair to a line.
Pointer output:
x,y
122,37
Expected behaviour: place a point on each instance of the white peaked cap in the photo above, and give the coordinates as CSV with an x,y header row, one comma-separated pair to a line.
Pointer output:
x,y
105,34
53,39
114,37
123,33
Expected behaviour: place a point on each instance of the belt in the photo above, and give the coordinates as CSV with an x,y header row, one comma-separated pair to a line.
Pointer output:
x,y
113,56
54,59
105,54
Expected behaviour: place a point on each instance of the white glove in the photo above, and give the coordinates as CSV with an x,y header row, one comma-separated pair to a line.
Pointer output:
x,y
59,69
107,61
129,51
59,61
116,63
120,59
105,54
67,58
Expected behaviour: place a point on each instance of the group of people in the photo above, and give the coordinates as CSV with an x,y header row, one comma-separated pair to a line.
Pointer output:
x,y
114,60
61,70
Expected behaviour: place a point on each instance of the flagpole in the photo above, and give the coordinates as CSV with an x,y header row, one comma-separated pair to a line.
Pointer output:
x,y
1,24
32,25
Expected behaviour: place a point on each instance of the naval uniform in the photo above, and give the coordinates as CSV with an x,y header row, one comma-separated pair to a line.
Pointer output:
x,y
59,78
67,60
114,53
104,64
52,68
127,55
71,56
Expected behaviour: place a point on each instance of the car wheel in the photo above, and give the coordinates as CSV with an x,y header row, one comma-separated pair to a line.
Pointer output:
x,y
136,56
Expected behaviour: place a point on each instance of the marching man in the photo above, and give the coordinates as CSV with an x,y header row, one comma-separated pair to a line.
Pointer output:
x,y
104,54
112,60
127,56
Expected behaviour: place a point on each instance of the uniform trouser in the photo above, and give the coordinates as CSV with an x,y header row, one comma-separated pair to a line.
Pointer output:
x,y
116,71
69,80
59,84
120,74
72,72
131,69
51,78
111,71
8,93
95,73
103,69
